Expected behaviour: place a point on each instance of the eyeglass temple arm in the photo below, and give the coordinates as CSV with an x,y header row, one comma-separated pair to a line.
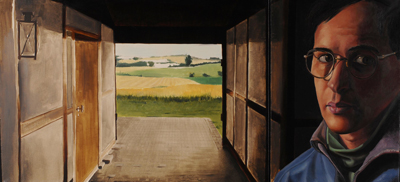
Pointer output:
x,y
379,57
387,55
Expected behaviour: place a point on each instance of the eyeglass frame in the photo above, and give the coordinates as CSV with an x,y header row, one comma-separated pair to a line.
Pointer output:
x,y
341,58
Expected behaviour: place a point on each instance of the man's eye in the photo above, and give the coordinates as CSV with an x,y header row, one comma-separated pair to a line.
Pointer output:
x,y
364,60
325,58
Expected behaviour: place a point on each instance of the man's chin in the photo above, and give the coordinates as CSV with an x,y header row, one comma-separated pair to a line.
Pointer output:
x,y
340,125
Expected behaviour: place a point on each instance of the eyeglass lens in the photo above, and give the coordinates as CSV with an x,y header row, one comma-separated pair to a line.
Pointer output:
x,y
362,63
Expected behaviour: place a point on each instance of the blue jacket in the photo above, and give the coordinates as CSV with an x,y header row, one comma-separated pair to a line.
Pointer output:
x,y
381,164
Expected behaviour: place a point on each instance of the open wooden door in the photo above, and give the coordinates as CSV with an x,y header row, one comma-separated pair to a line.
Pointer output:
x,y
87,124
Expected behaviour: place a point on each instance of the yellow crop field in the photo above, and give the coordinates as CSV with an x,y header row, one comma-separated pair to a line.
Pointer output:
x,y
134,82
130,69
177,90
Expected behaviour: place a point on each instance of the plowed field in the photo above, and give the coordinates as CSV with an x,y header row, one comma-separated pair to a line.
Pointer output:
x,y
134,82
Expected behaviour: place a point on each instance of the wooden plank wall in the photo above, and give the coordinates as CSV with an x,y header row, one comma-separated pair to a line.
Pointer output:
x,y
257,97
281,143
246,93
9,105
107,91
230,82
41,88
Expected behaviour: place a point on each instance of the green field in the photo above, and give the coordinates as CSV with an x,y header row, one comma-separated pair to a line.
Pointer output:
x,y
181,106
149,106
207,80
209,69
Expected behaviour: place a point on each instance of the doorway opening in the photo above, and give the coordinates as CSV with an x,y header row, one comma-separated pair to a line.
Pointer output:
x,y
170,80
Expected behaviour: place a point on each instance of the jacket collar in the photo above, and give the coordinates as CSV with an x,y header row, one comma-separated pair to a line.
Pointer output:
x,y
389,142
319,137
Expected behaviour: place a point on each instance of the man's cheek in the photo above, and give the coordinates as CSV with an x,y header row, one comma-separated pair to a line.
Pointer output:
x,y
322,96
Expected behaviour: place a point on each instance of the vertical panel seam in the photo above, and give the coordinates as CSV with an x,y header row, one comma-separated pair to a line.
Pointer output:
x,y
65,120
16,71
268,88
247,91
234,88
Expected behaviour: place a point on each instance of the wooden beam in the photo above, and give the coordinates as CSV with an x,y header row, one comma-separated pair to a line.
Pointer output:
x,y
199,35
40,121
82,33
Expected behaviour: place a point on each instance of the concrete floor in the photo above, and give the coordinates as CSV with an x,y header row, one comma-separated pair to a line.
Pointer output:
x,y
169,149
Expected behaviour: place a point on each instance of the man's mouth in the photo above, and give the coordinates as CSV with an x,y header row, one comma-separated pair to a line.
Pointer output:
x,y
339,107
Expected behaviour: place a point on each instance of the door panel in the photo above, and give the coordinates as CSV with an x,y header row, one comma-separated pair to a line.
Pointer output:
x,y
230,59
87,126
241,91
229,117
257,86
257,144
275,148
240,129
241,59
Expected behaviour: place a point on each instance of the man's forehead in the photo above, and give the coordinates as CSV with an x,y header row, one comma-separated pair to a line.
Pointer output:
x,y
356,23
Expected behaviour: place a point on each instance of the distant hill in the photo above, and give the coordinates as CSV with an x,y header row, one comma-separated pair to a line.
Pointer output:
x,y
174,58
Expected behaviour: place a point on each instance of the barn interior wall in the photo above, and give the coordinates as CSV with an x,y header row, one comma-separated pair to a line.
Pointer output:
x,y
41,80
280,139
108,88
257,130
230,83
38,83
8,93
70,140
48,164
41,95
69,78
246,125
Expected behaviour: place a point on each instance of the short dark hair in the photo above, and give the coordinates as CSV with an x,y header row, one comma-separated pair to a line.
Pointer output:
x,y
388,16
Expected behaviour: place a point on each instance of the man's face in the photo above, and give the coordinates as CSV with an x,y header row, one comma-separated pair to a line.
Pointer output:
x,y
349,104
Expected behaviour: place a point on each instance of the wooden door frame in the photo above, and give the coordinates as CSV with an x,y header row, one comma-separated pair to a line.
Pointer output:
x,y
69,34
82,36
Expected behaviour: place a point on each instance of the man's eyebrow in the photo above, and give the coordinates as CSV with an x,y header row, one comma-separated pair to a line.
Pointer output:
x,y
323,49
364,47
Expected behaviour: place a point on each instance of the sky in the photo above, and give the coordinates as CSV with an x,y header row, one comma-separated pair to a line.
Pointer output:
x,y
148,50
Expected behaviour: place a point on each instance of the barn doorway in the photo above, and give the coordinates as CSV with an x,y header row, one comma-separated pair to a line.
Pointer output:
x,y
170,80
169,105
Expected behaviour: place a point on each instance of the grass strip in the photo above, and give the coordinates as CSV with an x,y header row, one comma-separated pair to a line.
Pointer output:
x,y
153,106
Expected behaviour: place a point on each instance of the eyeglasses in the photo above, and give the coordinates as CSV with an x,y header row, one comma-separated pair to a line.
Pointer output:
x,y
361,63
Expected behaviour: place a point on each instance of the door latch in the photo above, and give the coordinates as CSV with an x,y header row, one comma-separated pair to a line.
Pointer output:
x,y
80,109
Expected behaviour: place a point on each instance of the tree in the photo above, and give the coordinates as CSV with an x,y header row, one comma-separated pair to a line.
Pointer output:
x,y
188,60
151,63
117,58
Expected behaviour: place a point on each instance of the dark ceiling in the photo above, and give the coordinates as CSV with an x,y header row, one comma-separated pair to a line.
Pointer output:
x,y
168,21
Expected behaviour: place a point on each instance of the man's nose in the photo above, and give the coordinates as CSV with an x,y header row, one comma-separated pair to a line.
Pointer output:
x,y
339,81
